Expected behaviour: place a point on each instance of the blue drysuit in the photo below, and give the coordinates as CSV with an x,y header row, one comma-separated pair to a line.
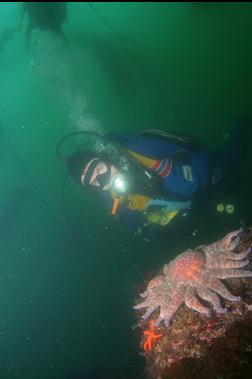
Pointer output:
x,y
193,171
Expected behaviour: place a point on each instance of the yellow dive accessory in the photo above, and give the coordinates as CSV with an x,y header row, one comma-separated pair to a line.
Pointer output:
x,y
161,218
135,202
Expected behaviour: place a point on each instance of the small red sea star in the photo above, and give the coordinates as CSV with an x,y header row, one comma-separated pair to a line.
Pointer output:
x,y
151,336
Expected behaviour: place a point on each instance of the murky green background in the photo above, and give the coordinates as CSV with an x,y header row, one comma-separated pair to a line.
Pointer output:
x,y
68,275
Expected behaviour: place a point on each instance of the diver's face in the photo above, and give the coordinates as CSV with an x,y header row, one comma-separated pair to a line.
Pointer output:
x,y
102,174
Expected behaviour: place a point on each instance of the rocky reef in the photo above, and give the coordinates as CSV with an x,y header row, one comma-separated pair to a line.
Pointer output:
x,y
198,313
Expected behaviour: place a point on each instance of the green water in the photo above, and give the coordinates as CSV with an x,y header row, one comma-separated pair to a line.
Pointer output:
x,y
68,281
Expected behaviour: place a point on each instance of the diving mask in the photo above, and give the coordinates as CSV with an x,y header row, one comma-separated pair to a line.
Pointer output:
x,y
98,174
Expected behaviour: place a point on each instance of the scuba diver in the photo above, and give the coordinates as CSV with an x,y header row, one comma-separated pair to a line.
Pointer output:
x,y
45,16
156,181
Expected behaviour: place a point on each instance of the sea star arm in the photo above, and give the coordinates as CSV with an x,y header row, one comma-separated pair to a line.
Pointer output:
x,y
211,297
227,243
168,310
192,302
227,264
217,286
233,273
235,256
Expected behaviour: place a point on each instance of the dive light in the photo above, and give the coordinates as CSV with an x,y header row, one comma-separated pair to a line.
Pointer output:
x,y
119,184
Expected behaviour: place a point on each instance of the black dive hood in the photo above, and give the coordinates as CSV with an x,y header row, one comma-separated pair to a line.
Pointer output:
x,y
136,177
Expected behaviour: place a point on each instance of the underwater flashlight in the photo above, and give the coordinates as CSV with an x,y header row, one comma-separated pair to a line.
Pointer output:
x,y
119,184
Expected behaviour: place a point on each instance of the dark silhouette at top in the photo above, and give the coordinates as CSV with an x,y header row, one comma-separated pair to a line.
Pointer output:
x,y
45,16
